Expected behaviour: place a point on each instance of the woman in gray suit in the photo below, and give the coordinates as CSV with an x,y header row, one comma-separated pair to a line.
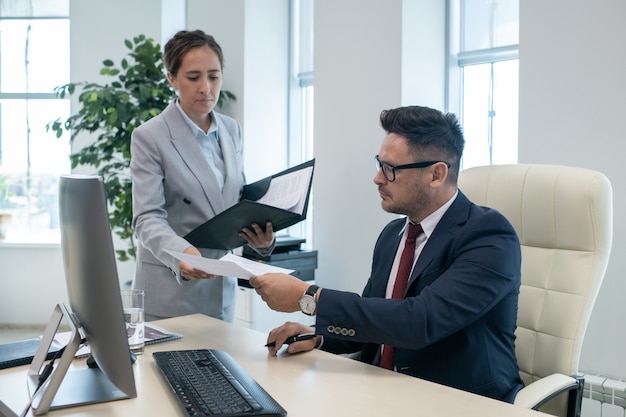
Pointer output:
x,y
186,167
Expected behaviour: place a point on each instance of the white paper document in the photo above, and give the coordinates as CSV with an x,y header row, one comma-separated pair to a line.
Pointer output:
x,y
289,191
228,265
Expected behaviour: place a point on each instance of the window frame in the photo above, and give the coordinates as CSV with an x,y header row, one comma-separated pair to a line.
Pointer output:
x,y
459,59
29,230
301,99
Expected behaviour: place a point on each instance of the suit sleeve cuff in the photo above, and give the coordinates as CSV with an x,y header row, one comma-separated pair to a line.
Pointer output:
x,y
265,251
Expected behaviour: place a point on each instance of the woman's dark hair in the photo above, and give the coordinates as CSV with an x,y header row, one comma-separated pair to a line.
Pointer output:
x,y
183,41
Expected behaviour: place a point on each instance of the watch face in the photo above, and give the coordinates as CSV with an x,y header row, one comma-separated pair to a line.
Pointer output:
x,y
307,304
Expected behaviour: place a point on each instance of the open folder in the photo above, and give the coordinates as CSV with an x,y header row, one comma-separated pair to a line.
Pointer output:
x,y
282,199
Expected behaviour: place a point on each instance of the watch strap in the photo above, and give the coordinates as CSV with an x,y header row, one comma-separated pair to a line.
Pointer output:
x,y
312,290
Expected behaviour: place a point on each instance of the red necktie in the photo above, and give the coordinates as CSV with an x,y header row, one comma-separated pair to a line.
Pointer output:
x,y
404,270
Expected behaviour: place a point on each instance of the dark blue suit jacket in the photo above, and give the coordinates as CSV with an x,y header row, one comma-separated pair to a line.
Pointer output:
x,y
456,323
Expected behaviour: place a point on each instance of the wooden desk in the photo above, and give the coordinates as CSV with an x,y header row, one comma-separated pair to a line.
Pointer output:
x,y
311,384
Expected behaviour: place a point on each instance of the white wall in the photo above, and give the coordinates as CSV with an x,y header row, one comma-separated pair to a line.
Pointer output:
x,y
32,283
423,58
572,112
254,36
354,80
359,71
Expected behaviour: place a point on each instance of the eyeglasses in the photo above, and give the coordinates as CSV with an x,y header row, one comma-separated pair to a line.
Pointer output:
x,y
389,171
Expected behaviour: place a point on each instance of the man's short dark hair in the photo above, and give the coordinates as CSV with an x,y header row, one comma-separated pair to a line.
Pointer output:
x,y
429,131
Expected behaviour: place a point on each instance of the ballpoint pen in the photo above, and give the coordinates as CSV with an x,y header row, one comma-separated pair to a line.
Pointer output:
x,y
293,339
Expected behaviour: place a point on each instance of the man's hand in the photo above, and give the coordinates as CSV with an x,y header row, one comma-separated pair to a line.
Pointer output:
x,y
281,292
276,338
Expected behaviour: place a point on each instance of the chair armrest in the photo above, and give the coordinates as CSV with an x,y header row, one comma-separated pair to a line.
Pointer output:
x,y
536,394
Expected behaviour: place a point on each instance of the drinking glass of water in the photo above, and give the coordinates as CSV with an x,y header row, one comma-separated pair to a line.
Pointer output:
x,y
132,301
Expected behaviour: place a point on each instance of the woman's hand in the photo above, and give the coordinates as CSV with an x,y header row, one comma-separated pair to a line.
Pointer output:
x,y
189,272
256,237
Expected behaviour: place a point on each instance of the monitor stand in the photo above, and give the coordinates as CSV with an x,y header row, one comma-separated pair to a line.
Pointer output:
x,y
5,411
65,388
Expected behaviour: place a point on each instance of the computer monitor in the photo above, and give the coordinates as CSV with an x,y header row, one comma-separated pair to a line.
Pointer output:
x,y
96,307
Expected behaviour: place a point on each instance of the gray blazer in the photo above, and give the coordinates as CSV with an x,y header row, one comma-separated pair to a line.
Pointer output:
x,y
174,191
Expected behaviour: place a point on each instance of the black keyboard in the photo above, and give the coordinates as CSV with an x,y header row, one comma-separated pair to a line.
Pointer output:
x,y
209,382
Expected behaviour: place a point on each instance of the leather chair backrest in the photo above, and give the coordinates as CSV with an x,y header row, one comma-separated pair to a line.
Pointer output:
x,y
564,219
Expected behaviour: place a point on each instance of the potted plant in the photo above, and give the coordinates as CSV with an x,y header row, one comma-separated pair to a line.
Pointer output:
x,y
138,92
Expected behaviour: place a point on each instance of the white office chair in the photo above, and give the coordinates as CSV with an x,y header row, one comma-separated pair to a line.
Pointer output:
x,y
564,219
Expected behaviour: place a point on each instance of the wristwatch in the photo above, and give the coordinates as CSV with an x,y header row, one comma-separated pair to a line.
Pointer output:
x,y
307,302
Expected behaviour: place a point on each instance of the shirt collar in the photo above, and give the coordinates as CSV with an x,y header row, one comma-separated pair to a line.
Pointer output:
x,y
192,125
431,221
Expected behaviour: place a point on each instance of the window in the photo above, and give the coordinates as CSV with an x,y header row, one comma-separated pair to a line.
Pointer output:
x,y
301,97
483,82
34,58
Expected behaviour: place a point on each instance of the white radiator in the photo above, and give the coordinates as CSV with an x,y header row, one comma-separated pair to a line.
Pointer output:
x,y
604,397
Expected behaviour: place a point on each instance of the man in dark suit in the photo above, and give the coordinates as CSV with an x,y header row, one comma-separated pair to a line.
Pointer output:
x,y
454,322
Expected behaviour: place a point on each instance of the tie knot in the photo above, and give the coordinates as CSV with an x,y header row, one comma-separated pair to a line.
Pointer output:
x,y
414,231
